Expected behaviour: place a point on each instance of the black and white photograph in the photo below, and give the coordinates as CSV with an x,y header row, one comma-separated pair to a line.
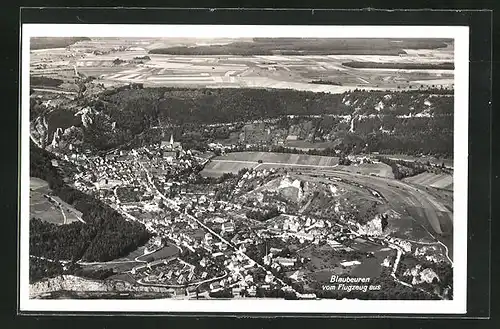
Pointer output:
x,y
211,168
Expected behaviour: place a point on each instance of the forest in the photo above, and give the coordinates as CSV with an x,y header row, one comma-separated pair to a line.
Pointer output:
x,y
51,42
307,46
409,122
104,236
402,169
45,81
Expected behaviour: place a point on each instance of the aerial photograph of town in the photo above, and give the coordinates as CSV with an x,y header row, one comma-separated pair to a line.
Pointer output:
x,y
241,168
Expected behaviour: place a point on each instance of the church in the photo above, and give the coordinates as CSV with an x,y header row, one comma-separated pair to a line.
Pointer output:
x,y
171,145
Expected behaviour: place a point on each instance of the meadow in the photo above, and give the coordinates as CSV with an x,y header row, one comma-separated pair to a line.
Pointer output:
x,y
44,206
234,162
285,158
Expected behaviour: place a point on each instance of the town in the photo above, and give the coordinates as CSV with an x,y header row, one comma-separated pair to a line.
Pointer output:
x,y
220,250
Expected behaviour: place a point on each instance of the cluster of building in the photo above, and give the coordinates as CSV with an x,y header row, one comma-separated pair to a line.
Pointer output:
x,y
427,252
405,245
419,275
224,265
171,273
307,229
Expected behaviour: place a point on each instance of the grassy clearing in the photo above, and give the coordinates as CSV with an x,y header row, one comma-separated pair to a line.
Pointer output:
x,y
41,208
45,208
166,252
216,169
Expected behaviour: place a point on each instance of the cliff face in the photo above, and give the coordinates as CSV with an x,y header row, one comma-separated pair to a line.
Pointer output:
x,y
67,139
86,114
56,138
39,131
68,135
74,283
373,227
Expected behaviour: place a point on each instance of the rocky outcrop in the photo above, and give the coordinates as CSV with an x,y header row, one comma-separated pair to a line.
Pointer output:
x,y
373,227
351,128
68,139
291,189
56,138
86,115
39,131
74,283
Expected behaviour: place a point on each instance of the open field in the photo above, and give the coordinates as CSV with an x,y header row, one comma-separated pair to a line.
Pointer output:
x,y
444,181
50,208
433,160
286,158
218,168
165,252
445,196
443,224
289,72
374,169
401,65
293,71
43,43
40,206
233,162
134,259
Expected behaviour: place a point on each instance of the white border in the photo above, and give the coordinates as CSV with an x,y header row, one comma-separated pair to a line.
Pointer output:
x,y
456,306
